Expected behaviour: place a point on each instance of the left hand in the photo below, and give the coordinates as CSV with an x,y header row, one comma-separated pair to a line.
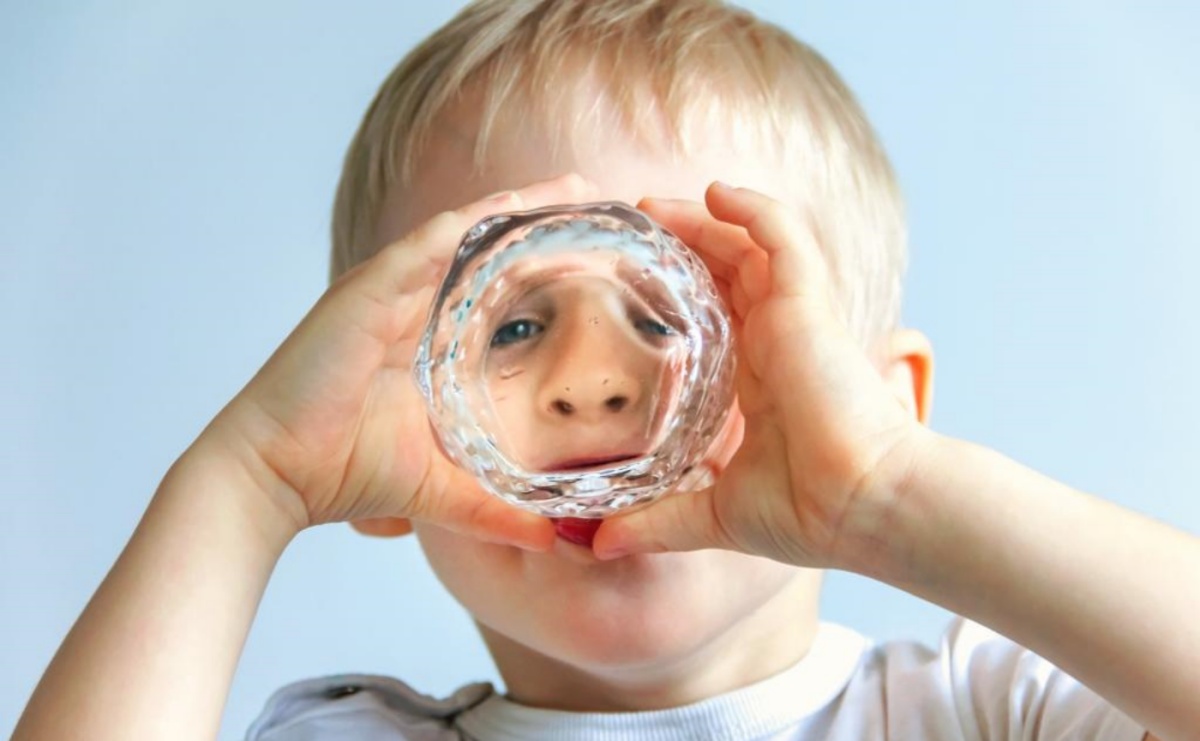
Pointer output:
x,y
827,442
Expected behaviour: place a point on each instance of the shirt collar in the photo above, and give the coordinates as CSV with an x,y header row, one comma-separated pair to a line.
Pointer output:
x,y
796,694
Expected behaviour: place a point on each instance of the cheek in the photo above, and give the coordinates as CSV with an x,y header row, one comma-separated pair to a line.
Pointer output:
x,y
477,574
499,590
513,402
663,382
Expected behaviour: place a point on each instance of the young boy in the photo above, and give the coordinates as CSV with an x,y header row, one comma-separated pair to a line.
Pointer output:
x,y
696,617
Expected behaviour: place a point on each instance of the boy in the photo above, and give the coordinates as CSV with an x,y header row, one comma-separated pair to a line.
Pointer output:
x,y
695,617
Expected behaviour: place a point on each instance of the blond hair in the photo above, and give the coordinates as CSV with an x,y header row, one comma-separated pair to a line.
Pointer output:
x,y
687,59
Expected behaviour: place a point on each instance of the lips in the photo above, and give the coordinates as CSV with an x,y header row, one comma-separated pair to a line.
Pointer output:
x,y
580,463
577,530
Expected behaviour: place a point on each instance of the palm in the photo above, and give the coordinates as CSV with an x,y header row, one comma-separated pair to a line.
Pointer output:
x,y
818,417
335,415
804,414
346,429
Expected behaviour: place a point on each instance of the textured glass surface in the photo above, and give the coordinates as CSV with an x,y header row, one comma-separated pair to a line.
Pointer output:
x,y
577,360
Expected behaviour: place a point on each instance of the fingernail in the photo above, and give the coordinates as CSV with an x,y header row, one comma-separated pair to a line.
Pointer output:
x,y
722,185
500,196
537,541
533,546
609,554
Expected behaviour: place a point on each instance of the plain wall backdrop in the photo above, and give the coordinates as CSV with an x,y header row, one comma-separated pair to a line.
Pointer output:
x,y
166,174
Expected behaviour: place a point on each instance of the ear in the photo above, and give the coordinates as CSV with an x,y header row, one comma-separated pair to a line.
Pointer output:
x,y
383,527
906,364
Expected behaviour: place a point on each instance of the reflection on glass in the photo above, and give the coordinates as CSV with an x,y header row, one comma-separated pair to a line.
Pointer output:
x,y
576,359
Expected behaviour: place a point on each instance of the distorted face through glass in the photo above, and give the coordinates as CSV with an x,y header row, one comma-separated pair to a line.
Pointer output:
x,y
577,359
581,369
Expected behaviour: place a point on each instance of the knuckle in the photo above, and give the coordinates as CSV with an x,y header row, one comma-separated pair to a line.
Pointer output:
x,y
439,223
444,221
506,199
781,216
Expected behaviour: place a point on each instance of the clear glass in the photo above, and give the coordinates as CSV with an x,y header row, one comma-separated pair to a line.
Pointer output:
x,y
577,360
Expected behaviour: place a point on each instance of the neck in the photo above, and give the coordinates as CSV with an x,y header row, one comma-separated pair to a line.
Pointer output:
x,y
761,644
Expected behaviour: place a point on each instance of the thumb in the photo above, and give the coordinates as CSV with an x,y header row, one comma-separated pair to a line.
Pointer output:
x,y
685,521
464,507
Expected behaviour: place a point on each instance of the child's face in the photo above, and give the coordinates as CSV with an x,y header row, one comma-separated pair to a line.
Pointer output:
x,y
565,629
577,370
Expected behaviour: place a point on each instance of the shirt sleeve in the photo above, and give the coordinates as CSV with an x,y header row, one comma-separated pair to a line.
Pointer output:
x,y
1005,692
361,707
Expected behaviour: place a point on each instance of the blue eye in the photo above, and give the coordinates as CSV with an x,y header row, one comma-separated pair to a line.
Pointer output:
x,y
650,326
515,331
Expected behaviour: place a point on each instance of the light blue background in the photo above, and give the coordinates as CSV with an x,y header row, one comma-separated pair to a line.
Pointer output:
x,y
166,172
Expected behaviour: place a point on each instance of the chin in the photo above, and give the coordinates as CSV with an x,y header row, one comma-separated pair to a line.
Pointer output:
x,y
603,617
614,630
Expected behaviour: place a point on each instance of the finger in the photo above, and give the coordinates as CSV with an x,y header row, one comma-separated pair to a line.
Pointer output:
x,y
726,246
463,507
383,527
725,292
571,188
797,266
420,257
487,518
679,522
754,277
728,441
741,302
694,225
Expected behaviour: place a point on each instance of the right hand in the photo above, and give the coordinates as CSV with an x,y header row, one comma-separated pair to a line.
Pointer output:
x,y
333,427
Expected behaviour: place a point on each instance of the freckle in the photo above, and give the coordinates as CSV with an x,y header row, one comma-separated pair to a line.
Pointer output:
x,y
605,382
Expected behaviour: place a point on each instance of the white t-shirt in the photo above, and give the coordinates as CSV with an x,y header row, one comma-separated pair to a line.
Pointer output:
x,y
978,686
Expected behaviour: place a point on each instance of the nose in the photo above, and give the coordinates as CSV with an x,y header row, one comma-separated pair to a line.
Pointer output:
x,y
594,376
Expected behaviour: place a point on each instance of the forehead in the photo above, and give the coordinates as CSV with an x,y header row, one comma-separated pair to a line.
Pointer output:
x,y
624,166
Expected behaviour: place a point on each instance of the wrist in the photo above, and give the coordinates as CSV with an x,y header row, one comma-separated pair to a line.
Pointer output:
x,y
882,535
217,468
174,611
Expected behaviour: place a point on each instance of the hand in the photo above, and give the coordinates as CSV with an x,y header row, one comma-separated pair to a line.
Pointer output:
x,y
826,440
333,426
